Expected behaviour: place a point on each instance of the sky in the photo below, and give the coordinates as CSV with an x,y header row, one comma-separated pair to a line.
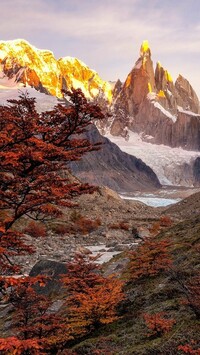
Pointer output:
x,y
107,34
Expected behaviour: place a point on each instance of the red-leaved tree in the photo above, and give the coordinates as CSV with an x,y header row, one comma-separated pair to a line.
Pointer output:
x,y
149,259
34,150
35,183
92,298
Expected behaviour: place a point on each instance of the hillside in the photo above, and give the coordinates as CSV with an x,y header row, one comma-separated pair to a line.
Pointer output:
x,y
187,208
165,293
162,293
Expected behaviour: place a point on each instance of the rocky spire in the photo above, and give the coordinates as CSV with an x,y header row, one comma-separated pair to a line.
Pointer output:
x,y
186,96
145,49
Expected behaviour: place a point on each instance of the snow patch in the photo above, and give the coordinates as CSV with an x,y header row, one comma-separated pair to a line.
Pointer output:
x,y
152,97
166,113
190,113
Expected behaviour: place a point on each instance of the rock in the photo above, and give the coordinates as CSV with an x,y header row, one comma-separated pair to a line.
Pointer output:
x,y
138,83
83,250
196,172
111,244
52,269
119,247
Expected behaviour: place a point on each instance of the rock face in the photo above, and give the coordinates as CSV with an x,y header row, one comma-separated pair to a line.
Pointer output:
x,y
152,104
180,130
111,167
196,171
186,96
52,269
40,69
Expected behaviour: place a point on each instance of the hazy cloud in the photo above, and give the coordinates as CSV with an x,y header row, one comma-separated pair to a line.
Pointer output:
x,y
107,34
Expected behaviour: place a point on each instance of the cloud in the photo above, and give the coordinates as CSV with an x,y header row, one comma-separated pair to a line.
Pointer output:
x,y
107,34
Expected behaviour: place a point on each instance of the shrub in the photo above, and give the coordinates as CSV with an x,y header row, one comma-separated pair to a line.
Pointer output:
x,y
150,258
75,216
85,225
61,229
189,349
155,228
158,324
36,229
121,225
165,221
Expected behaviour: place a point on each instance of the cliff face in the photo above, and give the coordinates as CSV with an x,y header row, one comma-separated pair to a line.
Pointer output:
x,y
196,172
176,130
153,105
111,167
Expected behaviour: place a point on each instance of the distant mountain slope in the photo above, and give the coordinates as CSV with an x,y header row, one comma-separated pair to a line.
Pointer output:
x,y
108,166
111,167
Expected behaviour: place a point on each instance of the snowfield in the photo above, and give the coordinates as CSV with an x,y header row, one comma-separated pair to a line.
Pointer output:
x,y
9,90
168,163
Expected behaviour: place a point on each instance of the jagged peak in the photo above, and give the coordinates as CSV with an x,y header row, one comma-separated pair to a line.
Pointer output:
x,y
145,50
168,76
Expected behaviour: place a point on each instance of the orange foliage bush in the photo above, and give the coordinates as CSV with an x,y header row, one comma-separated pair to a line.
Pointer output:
x,y
15,346
155,228
36,229
92,298
121,225
85,225
165,221
149,259
158,324
61,229
189,349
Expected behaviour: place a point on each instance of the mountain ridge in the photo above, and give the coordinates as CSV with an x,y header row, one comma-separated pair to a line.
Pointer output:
x,y
148,103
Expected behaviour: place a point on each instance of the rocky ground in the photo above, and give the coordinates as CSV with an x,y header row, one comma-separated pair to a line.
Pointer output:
x,y
119,223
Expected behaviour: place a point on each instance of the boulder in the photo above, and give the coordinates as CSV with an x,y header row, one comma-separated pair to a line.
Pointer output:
x,y
51,269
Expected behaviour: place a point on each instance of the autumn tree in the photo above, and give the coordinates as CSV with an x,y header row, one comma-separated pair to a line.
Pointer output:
x,y
16,346
35,183
92,298
33,320
34,150
149,259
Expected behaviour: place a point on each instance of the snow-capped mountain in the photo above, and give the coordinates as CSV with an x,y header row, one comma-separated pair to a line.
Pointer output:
x,y
151,104
149,107
38,68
